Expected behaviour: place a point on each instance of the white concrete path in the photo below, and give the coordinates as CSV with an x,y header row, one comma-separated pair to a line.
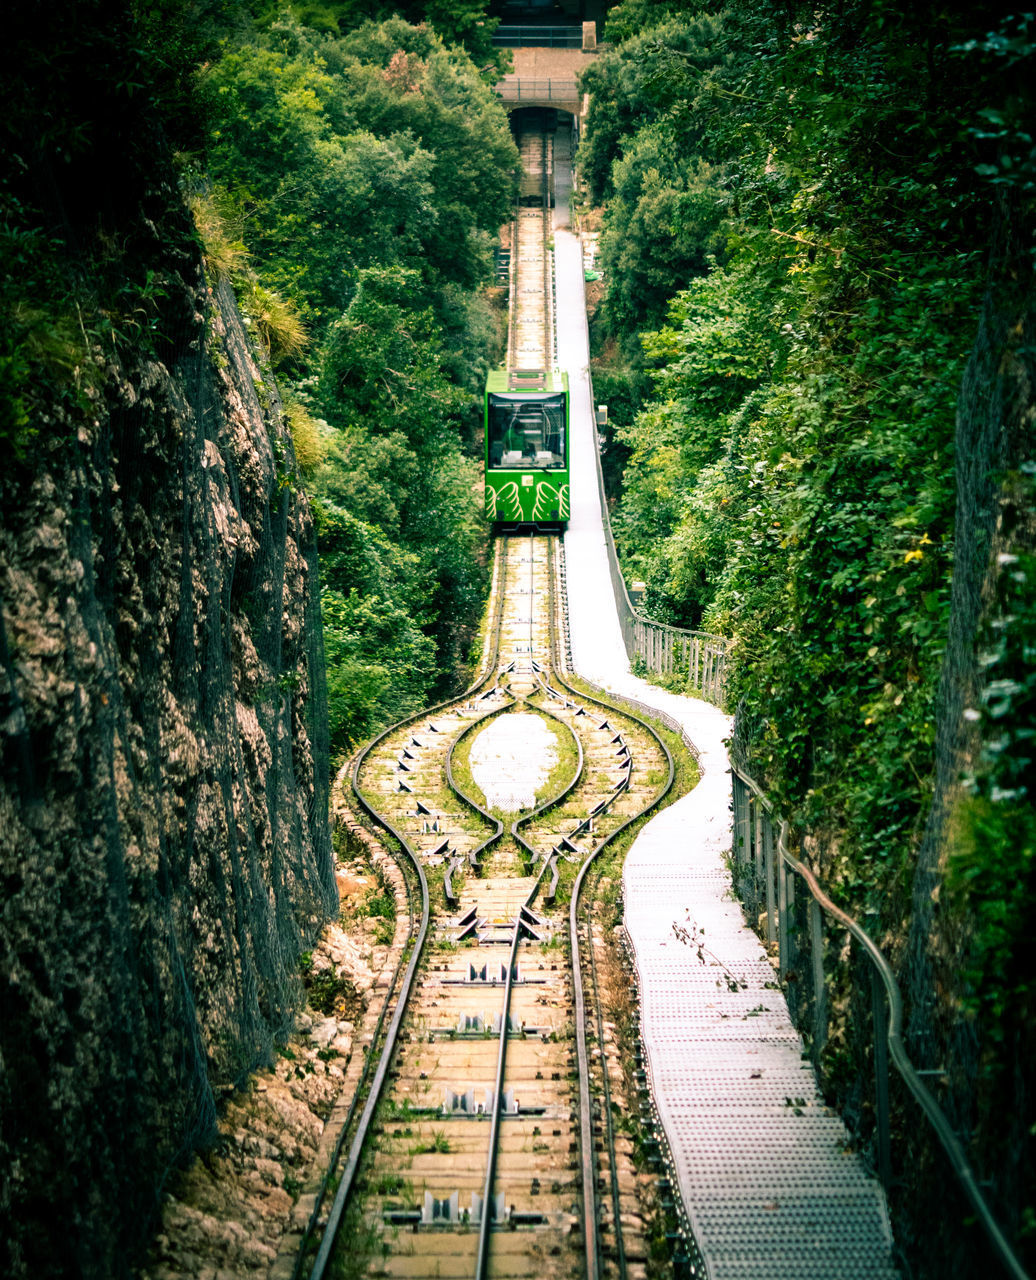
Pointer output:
x,y
762,1164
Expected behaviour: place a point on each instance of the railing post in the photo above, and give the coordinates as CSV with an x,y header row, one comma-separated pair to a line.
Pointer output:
x,y
771,908
740,793
816,947
746,830
735,803
790,943
747,873
783,933
881,1078
757,849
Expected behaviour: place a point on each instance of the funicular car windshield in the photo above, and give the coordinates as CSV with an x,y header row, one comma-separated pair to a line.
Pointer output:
x,y
526,430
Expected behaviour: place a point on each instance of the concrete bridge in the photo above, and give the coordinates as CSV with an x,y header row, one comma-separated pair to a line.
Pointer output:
x,y
548,77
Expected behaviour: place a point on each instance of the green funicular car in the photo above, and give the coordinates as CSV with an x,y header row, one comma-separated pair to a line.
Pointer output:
x,y
527,448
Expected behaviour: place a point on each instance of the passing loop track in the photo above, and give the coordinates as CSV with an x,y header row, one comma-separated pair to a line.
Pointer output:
x,y
473,1150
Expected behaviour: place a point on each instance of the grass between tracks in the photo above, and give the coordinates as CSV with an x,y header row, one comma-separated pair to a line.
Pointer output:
x,y
560,775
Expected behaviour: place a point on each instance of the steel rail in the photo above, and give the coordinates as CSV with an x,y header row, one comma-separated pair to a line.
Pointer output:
x,y
482,1254
591,1225
589,1185
674,726
512,283
951,1144
349,1172
485,1225
352,1164
561,795
348,1177
535,813
493,821
361,1084
606,1089
548,269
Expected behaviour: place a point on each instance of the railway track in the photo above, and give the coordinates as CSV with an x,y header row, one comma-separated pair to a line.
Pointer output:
x,y
531,334
486,1141
483,1139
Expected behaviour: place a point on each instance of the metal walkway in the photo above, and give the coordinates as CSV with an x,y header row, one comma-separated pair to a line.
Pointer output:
x,y
763,1167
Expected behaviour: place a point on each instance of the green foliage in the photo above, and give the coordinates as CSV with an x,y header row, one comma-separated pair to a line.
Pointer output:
x,y
646,153
791,481
459,22
366,165
992,868
347,182
324,991
380,664
275,323
381,906
226,257
308,442
381,147
662,225
642,81
382,366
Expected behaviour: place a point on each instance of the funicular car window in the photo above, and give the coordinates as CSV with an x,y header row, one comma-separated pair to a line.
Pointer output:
x,y
526,431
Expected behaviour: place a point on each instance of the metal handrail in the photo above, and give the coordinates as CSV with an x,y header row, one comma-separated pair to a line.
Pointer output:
x,y
893,1043
523,35
515,89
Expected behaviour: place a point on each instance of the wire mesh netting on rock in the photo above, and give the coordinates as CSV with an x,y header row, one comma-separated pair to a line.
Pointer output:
x,y
164,843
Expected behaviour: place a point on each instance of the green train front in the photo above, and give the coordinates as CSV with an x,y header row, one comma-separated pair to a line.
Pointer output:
x,y
527,448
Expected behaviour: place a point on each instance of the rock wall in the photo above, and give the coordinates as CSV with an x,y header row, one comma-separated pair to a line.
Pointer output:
x,y
982,1056
164,843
